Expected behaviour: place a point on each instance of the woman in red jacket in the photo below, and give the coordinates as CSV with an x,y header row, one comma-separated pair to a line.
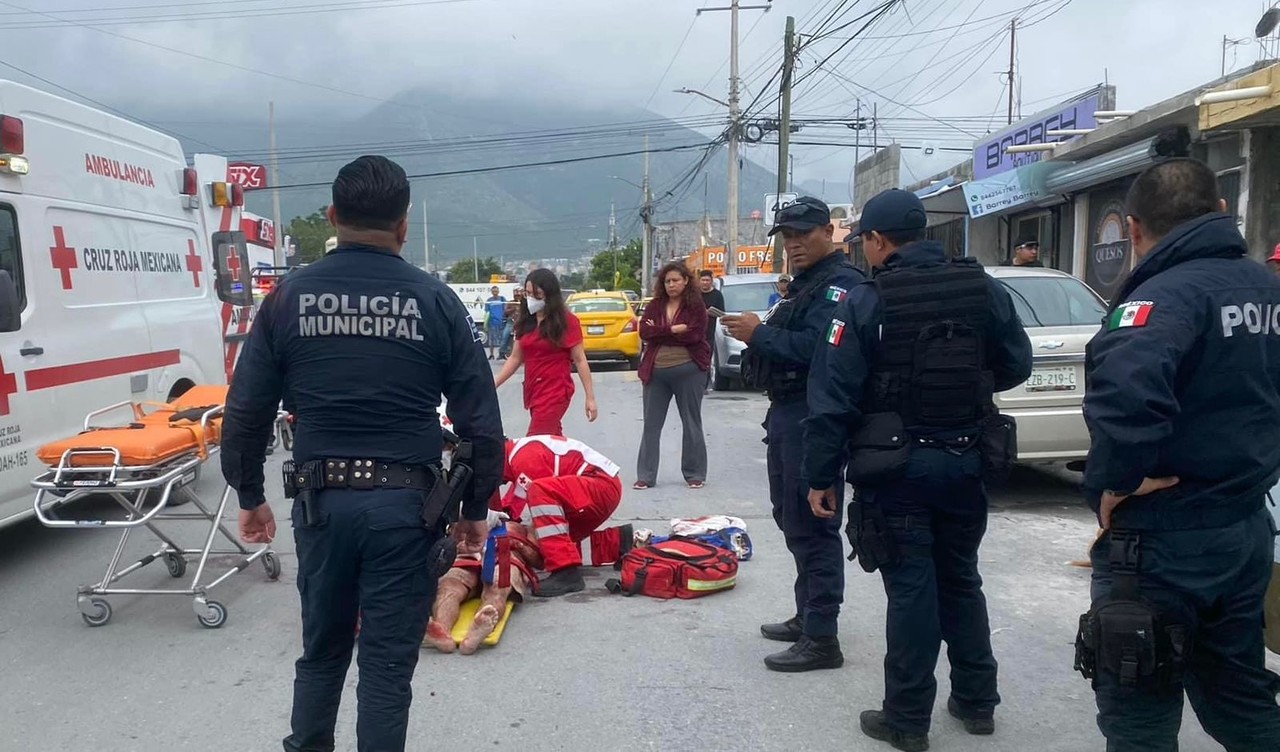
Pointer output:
x,y
548,345
675,362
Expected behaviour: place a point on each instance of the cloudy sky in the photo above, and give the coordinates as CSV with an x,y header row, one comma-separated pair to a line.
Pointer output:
x,y
931,68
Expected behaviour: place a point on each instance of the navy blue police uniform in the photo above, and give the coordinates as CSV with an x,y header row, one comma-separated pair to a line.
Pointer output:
x,y
784,347
1184,381
913,420
361,345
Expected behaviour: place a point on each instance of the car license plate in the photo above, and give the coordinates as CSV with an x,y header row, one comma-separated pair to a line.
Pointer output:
x,y
1060,379
595,330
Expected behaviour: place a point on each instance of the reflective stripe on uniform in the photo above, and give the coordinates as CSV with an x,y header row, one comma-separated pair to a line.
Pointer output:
x,y
544,531
546,510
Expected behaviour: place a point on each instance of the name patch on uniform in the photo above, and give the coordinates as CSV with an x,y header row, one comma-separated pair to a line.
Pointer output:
x,y
836,294
1256,318
835,332
1131,314
384,316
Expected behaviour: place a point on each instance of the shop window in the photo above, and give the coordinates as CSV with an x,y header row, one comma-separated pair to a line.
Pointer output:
x,y
1229,189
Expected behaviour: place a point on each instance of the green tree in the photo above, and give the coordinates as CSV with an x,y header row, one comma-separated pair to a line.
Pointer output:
x,y
616,270
573,280
464,271
310,234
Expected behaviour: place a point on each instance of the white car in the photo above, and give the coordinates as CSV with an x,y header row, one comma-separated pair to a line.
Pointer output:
x,y
1061,314
742,293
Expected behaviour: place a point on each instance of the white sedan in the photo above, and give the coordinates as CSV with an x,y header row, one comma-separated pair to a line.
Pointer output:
x,y
1061,314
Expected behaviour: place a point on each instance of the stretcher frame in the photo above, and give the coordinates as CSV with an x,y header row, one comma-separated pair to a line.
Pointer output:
x,y
132,487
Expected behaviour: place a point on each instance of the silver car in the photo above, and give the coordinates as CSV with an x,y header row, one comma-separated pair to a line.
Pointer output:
x,y
1061,314
742,293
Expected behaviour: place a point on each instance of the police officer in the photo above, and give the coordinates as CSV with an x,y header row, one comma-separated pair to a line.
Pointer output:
x,y
1182,401
906,377
361,345
779,352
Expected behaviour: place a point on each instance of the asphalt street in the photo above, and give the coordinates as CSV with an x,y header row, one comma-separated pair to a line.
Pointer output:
x,y
590,672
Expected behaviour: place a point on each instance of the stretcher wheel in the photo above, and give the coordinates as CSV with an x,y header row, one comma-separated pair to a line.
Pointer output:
x,y
215,617
101,614
271,563
176,564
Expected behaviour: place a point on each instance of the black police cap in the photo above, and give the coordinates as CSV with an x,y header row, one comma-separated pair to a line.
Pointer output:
x,y
894,210
803,215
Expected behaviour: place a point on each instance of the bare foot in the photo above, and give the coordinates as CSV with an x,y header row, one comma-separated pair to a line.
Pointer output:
x,y
486,619
438,637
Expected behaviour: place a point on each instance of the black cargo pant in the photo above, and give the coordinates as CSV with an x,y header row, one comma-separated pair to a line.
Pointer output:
x,y
1216,580
815,543
935,594
367,557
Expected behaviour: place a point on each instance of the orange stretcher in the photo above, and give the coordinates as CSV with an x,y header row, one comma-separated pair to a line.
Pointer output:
x,y
148,465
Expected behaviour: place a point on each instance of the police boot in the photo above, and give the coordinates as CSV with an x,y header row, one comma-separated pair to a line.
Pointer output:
x,y
787,631
808,654
562,582
977,725
874,725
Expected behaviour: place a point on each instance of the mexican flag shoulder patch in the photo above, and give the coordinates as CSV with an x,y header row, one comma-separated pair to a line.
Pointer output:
x,y
836,294
835,332
1131,314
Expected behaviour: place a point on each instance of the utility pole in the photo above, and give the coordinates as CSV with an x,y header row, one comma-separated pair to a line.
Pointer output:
x,y
1013,34
475,259
426,245
735,127
784,130
277,256
646,243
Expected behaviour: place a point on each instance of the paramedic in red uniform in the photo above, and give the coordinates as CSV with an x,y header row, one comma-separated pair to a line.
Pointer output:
x,y
563,490
548,344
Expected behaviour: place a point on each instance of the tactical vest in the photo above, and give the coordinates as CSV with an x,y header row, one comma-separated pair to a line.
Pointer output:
x,y
930,364
783,380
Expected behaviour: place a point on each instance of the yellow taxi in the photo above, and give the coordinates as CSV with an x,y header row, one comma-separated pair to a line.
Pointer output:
x,y
610,329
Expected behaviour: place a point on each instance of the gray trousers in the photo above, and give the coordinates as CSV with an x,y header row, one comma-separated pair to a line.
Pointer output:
x,y
687,383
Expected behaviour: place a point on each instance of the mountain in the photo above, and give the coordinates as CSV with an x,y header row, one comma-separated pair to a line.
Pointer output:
x,y
553,211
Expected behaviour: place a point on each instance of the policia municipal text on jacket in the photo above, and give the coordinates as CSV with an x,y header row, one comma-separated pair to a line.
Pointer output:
x,y
361,345
905,380
777,360
1182,401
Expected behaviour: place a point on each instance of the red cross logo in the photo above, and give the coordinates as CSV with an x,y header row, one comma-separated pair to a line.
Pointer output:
x,y
195,264
8,386
64,257
233,265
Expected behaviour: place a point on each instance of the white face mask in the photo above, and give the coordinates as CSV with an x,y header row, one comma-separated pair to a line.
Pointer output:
x,y
536,305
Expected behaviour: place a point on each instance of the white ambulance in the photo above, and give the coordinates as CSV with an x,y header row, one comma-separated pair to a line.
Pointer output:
x,y
123,274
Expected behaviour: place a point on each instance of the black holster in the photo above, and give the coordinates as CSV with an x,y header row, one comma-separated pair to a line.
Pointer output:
x,y
999,444
879,448
303,482
870,538
1127,635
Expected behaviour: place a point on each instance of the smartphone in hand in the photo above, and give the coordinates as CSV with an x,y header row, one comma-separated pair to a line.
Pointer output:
x,y
716,312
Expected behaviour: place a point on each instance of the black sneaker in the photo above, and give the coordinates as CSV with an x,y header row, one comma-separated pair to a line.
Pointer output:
x,y
808,654
562,582
977,725
874,725
787,631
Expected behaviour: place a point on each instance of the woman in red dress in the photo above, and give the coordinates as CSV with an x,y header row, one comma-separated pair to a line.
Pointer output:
x,y
548,345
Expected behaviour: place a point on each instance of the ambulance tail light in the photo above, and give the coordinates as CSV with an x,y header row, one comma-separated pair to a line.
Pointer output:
x,y
12,142
190,188
227,194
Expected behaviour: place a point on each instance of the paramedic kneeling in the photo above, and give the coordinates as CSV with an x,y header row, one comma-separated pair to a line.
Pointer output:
x,y
1182,402
361,345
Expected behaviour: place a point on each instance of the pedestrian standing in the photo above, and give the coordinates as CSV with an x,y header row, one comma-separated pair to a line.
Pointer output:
x,y
778,356
1182,401
781,291
496,310
675,364
549,346
911,363
363,544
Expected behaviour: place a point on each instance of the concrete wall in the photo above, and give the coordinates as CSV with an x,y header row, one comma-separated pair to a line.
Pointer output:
x,y
878,172
986,238
1262,183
